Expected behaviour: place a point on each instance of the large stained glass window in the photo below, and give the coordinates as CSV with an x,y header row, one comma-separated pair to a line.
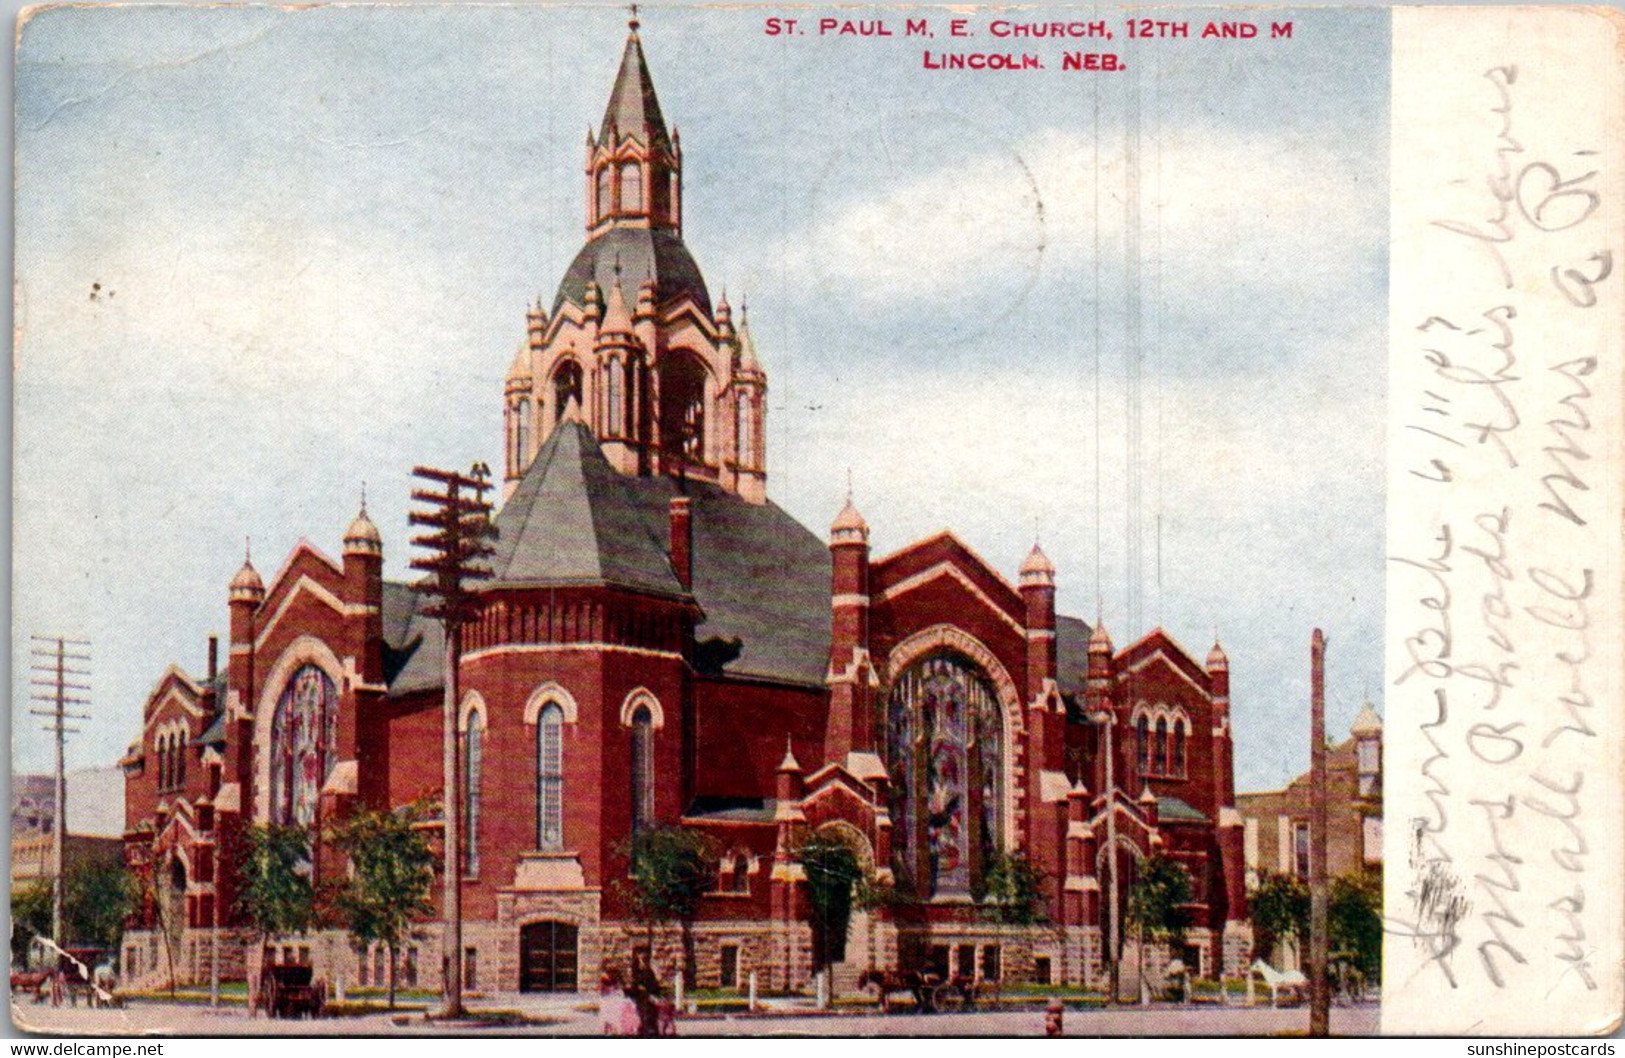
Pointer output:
x,y
304,745
944,755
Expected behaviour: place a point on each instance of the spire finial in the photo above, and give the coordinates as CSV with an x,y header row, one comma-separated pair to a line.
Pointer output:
x,y
848,484
248,550
632,23
363,495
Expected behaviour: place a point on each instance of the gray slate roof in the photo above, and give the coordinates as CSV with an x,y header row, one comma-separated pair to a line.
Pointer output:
x,y
640,254
633,109
1174,810
760,577
413,642
573,521
1071,654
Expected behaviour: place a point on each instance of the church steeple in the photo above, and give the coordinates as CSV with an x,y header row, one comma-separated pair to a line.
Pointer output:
x,y
634,167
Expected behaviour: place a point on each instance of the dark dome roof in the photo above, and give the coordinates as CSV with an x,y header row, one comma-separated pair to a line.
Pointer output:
x,y
642,253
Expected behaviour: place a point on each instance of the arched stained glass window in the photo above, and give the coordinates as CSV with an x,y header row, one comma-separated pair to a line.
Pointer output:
x,y
550,778
1179,750
1142,744
304,745
473,751
945,759
1162,747
643,772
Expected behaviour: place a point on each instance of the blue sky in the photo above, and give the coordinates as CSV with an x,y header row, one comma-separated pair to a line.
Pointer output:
x,y
315,233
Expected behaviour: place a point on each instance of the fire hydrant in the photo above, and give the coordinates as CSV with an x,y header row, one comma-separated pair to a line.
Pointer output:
x,y
1054,1018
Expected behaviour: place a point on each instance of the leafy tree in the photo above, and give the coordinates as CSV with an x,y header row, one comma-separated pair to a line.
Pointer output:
x,y
1014,890
1158,898
1354,921
391,881
97,896
1280,909
832,873
30,916
274,869
672,868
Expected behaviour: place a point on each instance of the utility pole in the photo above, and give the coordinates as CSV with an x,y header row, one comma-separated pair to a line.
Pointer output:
x,y
54,673
1107,721
1319,994
460,516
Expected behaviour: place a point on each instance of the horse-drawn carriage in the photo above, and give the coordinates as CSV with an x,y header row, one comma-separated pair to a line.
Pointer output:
x,y
291,992
931,992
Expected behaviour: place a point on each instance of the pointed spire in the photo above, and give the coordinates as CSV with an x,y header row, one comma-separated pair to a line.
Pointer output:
x,y
1217,658
1100,641
789,763
748,360
616,315
1367,724
633,109
849,526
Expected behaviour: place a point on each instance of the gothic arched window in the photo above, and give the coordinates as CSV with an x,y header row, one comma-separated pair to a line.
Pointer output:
x,y
945,759
614,397
643,770
473,751
566,388
1179,750
682,406
1162,747
741,872
550,778
521,434
631,188
606,192
304,745
742,428
1142,744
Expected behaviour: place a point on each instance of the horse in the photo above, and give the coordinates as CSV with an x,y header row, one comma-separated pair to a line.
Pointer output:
x,y
890,982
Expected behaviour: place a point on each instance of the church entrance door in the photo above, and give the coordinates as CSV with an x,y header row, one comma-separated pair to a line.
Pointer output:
x,y
547,957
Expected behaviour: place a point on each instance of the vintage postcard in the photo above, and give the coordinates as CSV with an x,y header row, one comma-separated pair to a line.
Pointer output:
x,y
847,520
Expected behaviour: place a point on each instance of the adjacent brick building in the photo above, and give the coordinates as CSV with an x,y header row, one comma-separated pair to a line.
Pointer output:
x,y
661,644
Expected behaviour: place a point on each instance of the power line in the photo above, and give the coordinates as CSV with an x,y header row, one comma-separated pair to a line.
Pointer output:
x,y
60,667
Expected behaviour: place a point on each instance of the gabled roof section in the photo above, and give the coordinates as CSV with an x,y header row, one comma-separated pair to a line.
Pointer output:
x,y
413,642
920,559
1156,642
572,521
1071,654
633,109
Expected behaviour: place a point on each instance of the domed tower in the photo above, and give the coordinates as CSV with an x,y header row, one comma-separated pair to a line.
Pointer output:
x,y
661,378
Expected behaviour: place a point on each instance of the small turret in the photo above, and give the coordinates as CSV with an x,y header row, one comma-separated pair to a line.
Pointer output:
x,y
1218,674
246,593
848,527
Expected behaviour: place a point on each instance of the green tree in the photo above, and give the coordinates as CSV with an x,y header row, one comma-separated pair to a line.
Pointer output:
x,y
1159,898
832,873
672,868
1354,921
30,917
391,881
1014,890
97,896
274,870
1280,909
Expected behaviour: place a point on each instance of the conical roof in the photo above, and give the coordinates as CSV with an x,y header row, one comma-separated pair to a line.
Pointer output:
x,y
571,520
1367,723
633,109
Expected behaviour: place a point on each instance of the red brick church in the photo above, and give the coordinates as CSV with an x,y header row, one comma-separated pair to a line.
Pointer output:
x,y
662,644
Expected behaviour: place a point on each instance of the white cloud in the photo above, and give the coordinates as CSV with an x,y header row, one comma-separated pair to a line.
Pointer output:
x,y
1246,204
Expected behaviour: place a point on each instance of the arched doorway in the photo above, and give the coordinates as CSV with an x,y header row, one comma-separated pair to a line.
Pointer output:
x,y
548,957
945,757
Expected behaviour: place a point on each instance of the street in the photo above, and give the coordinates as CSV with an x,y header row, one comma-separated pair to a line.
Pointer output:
x,y
552,1017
